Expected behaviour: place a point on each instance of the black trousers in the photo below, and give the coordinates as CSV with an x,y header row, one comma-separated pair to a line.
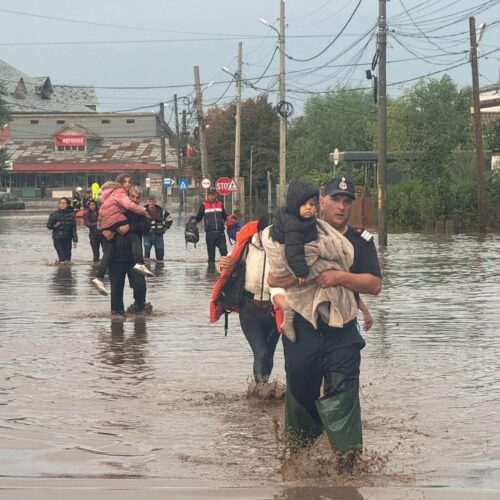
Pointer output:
x,y
216,239
329,353
63,248
95,243
259,326
117,273
131,239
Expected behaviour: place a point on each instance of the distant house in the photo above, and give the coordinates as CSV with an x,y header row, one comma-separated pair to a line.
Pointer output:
x,y
57,136
490,93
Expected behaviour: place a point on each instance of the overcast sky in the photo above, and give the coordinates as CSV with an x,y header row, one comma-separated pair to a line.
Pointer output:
x,y
125,43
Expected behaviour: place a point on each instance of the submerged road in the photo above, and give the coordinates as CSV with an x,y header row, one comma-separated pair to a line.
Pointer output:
x,y
164,397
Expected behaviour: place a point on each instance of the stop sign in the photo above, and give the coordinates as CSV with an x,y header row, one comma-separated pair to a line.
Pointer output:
x,y
223,185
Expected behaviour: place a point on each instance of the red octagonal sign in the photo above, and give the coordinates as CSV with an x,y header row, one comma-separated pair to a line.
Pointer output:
x,y
223,185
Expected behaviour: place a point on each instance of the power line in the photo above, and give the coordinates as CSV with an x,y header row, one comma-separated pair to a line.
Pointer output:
x,y
332,42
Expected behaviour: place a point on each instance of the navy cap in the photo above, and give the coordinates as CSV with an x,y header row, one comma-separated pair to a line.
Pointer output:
x,y
211,191
340,186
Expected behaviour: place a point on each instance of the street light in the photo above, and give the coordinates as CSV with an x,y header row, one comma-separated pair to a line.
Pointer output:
x,y
281,41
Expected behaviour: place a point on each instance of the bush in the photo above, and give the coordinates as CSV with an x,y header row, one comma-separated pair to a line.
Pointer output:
x,y
412,203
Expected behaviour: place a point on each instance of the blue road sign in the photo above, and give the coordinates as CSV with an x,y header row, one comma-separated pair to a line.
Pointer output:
x,y
183,184
167,182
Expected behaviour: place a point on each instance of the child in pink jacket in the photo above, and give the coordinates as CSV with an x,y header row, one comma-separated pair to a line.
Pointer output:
x,y
115,202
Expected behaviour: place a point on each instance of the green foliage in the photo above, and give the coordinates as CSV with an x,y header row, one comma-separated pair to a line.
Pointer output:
x,y
431,119
259,128
412,203
341,119
492,135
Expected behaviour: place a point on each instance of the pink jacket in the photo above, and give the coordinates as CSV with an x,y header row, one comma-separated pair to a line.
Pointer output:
x,y
115,202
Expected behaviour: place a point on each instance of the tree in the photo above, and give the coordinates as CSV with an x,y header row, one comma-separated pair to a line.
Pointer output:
x,y
342,119
259,128
431,119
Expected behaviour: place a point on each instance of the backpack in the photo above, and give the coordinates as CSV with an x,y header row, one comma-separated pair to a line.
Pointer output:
x,y
191,232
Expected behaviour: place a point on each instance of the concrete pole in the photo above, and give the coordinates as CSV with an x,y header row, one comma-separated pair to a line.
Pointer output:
x,y
477,127
382,125
237,139
178,144
269,193
163,160
282,164
201,123
184,138
250,194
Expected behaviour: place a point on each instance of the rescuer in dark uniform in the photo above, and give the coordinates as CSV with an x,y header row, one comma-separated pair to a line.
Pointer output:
x,y
212,211
328,353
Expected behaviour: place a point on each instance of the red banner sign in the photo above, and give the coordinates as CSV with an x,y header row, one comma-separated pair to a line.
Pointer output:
x,y
70,140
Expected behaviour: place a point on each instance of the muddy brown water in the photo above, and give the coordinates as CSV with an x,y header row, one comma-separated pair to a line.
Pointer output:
x,y
82,396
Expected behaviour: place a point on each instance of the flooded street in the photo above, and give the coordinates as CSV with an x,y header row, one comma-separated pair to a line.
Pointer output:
x,y
82,396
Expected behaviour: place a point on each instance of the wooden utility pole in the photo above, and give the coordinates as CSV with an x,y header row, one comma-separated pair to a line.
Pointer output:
x,y
163,160
178,144
237,133
382,124
282,196
477,127
201,123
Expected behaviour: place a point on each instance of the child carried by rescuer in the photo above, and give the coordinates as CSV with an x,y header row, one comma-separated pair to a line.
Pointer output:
x,y
112,216
299,242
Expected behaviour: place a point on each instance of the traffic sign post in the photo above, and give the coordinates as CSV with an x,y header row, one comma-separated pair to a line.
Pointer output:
x,y
222,185
183,184
206,183
167,182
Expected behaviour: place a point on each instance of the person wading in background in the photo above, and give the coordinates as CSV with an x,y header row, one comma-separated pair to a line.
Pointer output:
x,y
214,215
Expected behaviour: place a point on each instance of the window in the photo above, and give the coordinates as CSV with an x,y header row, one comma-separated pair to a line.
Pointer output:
x,y
34,122
70,148
130,120
60,122
105,121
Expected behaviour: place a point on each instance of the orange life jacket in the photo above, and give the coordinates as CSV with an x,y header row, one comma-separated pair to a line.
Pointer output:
x,y
217,307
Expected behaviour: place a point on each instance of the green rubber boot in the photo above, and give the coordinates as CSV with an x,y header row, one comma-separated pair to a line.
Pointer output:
x,y
341,417
301,428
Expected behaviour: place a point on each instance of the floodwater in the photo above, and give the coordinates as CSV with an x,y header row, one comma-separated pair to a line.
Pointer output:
x,y
86,397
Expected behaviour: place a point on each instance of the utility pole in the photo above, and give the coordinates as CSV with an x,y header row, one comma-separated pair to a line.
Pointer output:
x,y
382,124
250,194
178,144
477,126
183,152
163,160
201,123
237,139
282,99
269,193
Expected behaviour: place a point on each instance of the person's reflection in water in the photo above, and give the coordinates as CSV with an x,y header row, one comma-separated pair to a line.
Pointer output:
x,y
211,269
126,350
330,492
63,282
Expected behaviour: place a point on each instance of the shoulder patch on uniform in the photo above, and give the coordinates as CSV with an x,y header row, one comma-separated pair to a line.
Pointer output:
x,y
363,233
